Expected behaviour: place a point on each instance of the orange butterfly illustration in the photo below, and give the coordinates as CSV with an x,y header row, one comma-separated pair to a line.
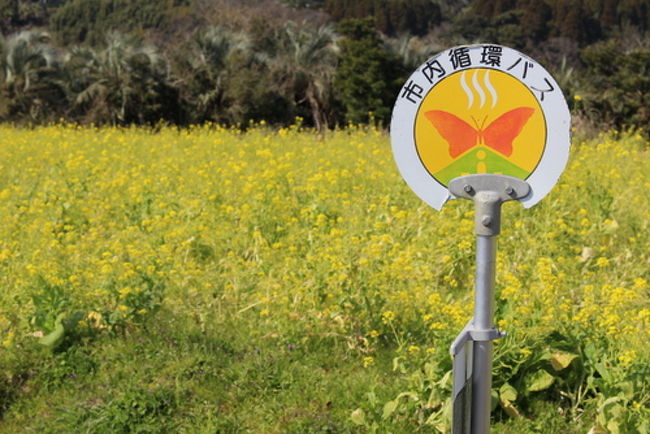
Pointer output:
x,y
461,136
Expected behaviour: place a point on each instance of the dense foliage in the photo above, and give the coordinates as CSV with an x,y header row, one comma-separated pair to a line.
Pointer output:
x,y
90,20
327,62
368,78
391,17
210,280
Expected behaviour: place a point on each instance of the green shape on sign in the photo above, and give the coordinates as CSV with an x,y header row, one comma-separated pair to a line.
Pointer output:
x,y
471,163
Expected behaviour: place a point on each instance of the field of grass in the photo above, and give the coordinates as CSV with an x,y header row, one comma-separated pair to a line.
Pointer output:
x,y
209,280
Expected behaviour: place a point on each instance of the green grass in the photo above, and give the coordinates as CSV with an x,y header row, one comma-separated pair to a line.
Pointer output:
x,y
174,377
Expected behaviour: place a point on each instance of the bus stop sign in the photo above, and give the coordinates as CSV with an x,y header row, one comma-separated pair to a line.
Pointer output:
x,y
480,109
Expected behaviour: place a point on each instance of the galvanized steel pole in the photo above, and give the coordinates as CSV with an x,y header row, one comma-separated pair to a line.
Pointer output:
x,y
486,249
473,369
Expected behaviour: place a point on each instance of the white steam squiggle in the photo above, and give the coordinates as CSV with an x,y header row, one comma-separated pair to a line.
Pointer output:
x,y
490,88
478,88
468,91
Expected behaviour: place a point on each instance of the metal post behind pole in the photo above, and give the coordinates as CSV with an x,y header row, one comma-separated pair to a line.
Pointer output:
x,y
486,247
473,374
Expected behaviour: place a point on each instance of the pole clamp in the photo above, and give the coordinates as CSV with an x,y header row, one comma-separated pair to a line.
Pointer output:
x,y
470,333
486,335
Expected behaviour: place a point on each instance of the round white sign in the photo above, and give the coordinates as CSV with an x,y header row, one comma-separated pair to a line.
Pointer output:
x,y
480,109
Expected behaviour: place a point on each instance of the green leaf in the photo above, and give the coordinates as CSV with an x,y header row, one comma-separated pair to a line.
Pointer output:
x,y
613,427
627,389
398,366
507,393
446,381
53,339
510,409
604,372
608,402
539,380
389,408
358,417
430,371
591,351
543,355
412,395
372,398
561,359
494,399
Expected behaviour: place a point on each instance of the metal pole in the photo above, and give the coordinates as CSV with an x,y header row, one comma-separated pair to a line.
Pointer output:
x,y
486,247
488,193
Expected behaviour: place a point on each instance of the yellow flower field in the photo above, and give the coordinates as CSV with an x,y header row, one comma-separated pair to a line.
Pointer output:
x,y
316,236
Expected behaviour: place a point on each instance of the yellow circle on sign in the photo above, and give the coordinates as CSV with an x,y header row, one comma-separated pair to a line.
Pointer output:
x,y
479,121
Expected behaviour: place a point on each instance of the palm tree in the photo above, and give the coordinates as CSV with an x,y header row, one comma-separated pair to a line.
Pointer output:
x,y
208,69
306,62
30,67
126,82
412,50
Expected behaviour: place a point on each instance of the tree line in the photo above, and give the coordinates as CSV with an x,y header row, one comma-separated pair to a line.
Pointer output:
x,y
327,62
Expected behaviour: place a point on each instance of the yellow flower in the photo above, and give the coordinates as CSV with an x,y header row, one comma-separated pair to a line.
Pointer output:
x,y
368,361
627,357
387,316
95,319
125,291
413,349
5,254
602,262
9,340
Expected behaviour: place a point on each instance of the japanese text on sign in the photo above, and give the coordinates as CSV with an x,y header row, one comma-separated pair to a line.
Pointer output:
x,y
490,56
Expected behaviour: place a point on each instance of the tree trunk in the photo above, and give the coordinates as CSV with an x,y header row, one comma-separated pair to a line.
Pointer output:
x,y
320,120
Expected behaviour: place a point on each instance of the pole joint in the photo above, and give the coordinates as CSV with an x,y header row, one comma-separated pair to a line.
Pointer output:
x,y
488,191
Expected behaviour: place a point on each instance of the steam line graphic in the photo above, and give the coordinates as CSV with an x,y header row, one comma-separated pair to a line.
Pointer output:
x,y
478,89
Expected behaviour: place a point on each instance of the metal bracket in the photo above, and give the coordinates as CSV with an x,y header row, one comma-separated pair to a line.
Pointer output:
x,y
462,350
488,191
469,333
